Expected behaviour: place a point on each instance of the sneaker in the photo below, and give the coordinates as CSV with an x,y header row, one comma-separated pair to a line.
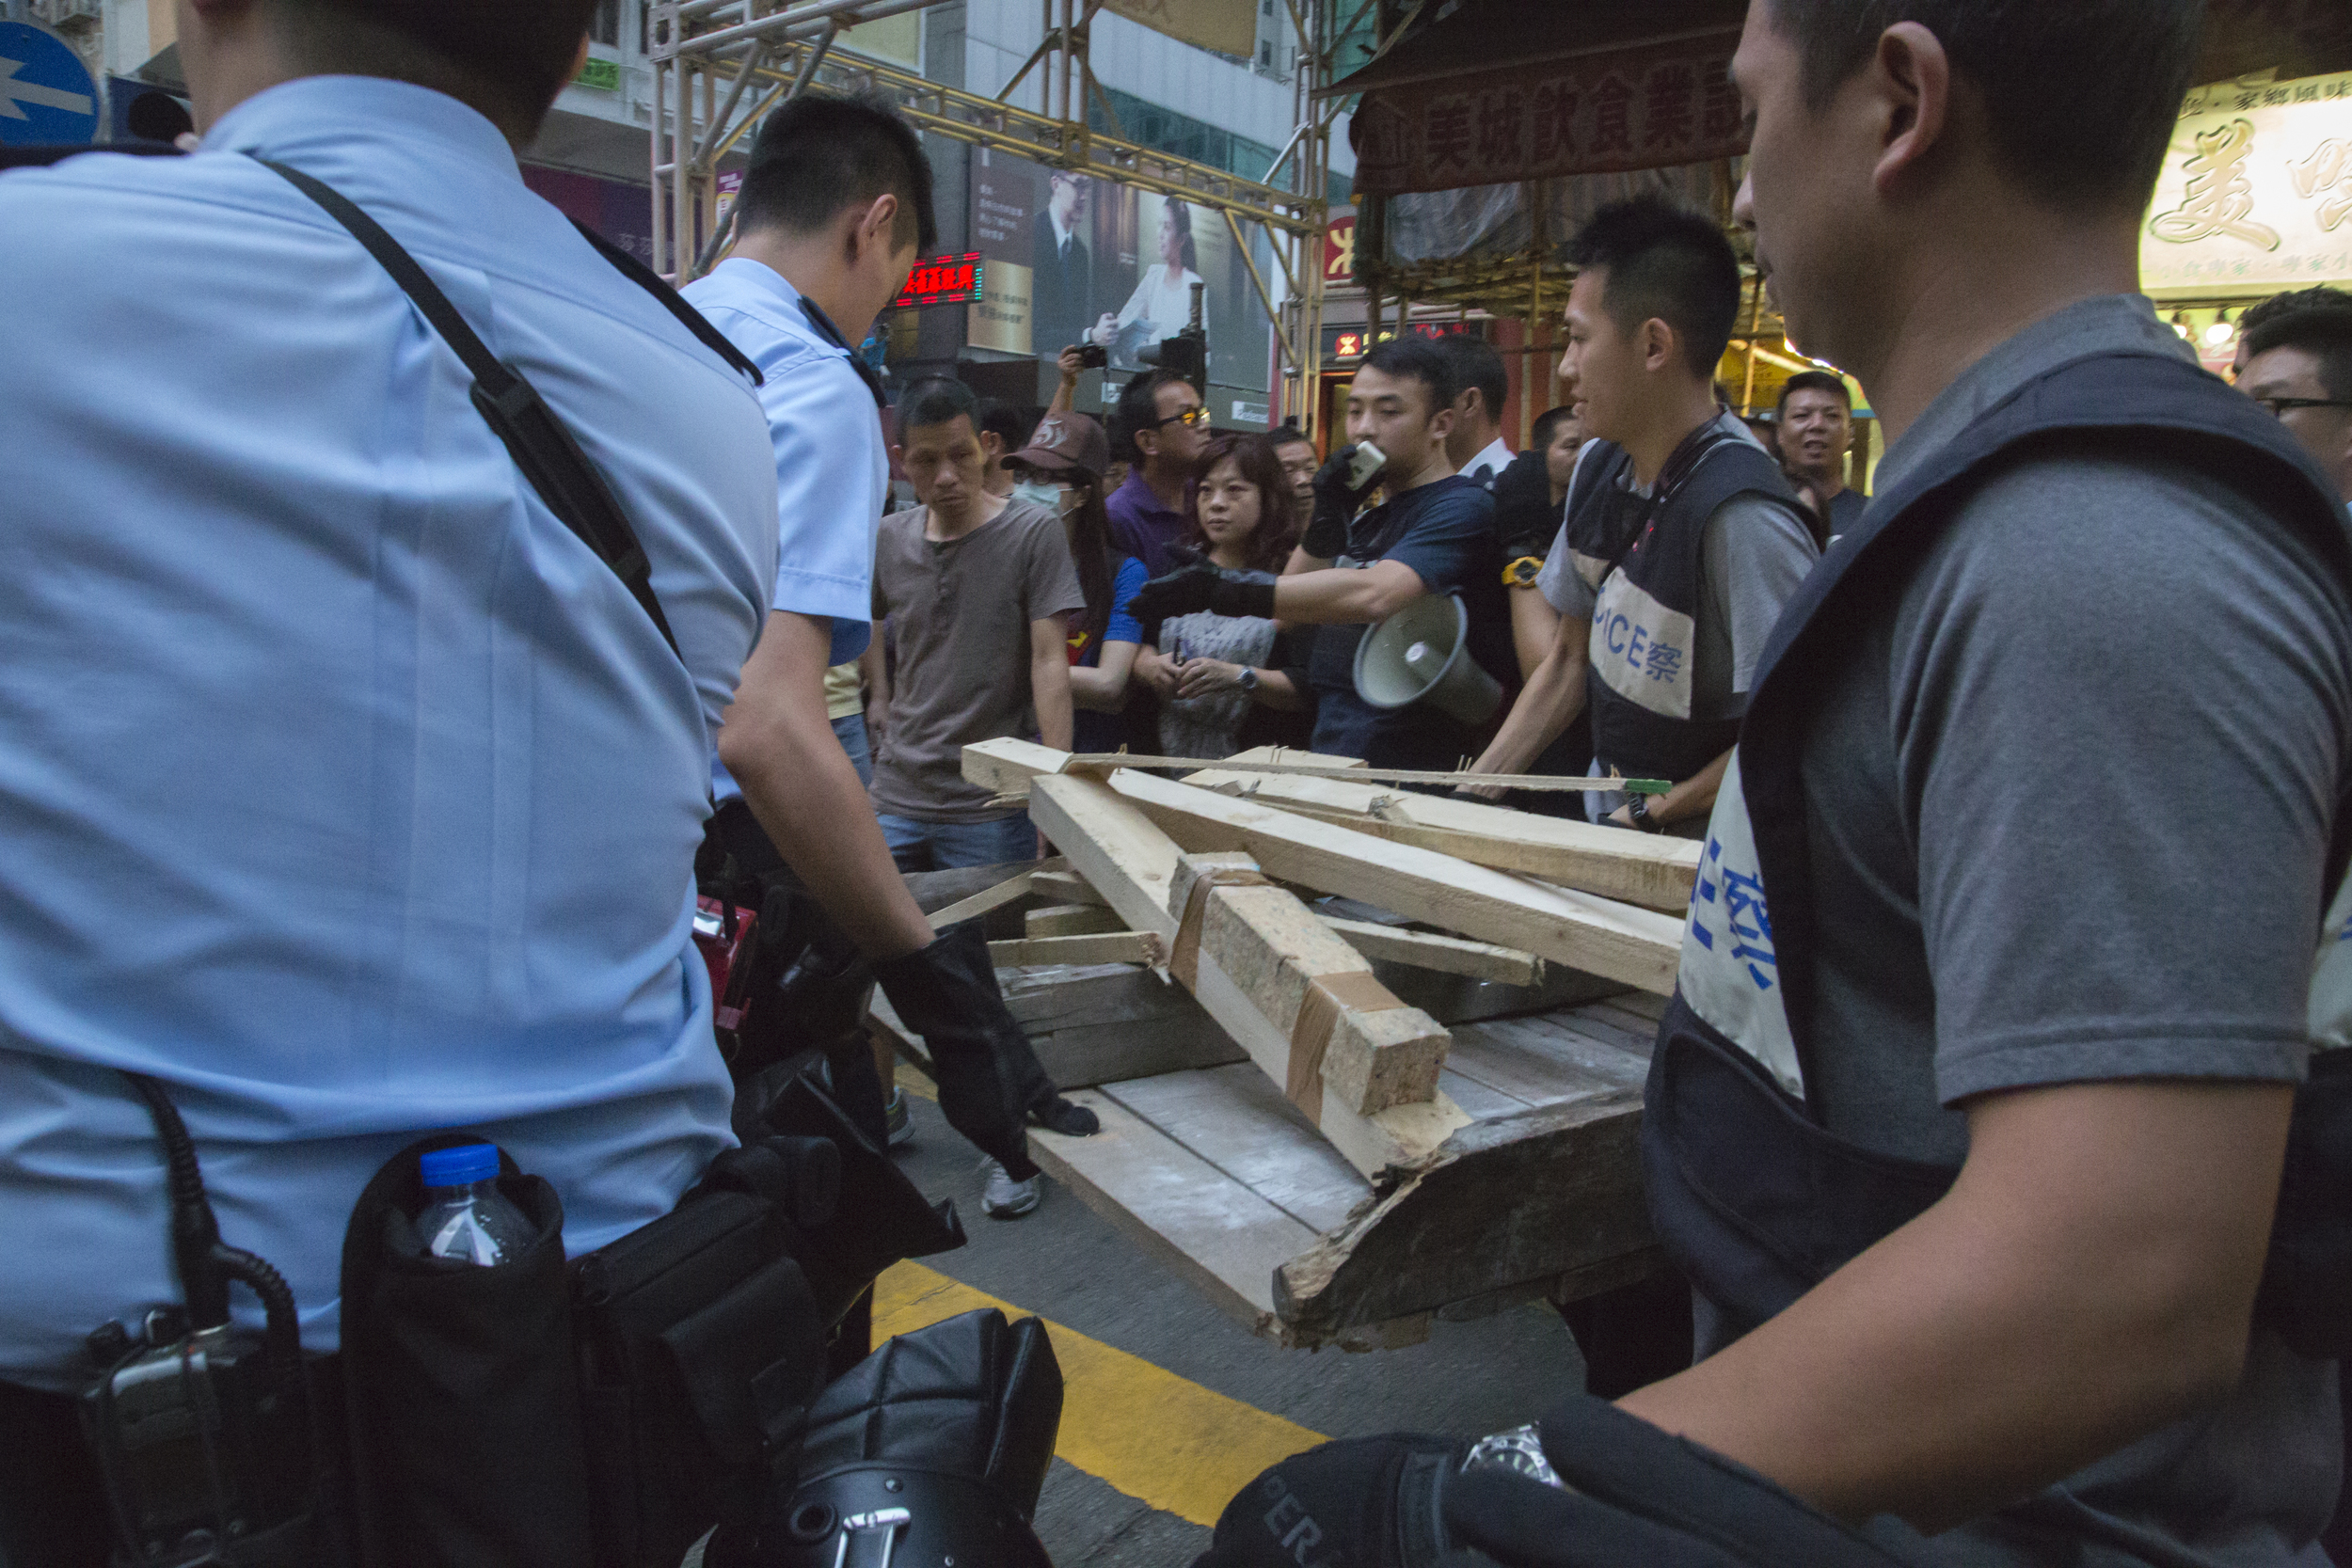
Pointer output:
x,y
1004,1198
896,1122
1057,1115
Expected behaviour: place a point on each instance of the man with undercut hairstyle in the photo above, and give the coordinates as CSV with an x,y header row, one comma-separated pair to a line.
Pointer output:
x,y
1476,448
2000,1115
1681,539
344,792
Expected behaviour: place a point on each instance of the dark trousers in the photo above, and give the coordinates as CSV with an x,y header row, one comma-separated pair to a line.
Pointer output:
x,y
53,1509
1634,1335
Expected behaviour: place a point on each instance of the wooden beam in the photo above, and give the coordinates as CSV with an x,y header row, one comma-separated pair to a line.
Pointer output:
x,y
1334,768
1651,870
1008,766
1133,863
1375,1052
1637,948
1072,920
1480,960
980,903
1102,947
1064,887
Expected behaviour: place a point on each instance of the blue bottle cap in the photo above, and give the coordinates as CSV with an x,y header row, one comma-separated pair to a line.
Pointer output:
x,y
459,1167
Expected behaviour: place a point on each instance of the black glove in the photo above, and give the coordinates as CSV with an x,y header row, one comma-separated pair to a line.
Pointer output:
x,y
1336,500
1196,586
1524,515
990,1078
1368,1502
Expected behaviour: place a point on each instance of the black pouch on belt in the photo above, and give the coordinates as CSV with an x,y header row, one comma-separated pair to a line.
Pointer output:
x,y
463,1404
700,1346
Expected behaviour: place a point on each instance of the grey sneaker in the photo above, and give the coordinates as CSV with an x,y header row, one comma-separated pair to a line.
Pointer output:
x,y
1004,1198
896,1122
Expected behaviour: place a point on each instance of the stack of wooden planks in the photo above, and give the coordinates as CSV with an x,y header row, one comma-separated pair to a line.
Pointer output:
x,y
1360,1055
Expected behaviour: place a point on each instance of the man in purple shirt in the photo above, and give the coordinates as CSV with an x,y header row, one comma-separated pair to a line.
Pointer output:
x,y
1161,428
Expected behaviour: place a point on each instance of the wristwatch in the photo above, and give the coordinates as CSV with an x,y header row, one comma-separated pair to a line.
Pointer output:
x,y
1248,679
1523,572
1637,807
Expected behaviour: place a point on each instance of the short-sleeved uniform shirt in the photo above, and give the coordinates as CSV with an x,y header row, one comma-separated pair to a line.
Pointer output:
x,y
342,788
1092,731
833,475
1445,532
960,613
2069,802
1753,556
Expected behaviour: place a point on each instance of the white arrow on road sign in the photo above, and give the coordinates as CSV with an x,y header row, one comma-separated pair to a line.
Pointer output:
x,y
13,92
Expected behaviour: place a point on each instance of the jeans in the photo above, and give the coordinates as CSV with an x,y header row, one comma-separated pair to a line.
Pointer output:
x,y
851,727
918,845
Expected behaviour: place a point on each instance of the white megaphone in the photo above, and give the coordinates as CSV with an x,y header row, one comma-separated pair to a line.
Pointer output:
x,y
1423,653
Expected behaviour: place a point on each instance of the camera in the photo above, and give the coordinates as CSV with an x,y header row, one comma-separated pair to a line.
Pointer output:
x,y
1093,356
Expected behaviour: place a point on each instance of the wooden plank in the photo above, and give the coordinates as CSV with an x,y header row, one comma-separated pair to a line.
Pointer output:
x,y
1650,1008
1208,1228
1063,887
1547,1195
1634,946
1509,1061
980,903
1059,996
1651,870
1081,1058
1566,1053
1379,1052
1072,920
1330,767
1008,766
1239,1122
1610,1010
1132,862
1480,960
1480,1102
1102,947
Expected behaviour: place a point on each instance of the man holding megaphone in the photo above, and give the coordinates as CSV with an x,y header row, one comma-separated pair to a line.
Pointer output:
x,y
1682,538
1433,538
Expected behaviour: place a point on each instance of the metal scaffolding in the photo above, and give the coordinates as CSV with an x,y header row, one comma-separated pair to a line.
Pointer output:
x,y
721,66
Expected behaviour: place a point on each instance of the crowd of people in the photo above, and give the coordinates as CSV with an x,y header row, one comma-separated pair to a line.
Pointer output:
x,y
359,781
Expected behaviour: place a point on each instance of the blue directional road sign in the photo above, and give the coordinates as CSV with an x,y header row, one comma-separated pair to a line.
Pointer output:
x,y
46,94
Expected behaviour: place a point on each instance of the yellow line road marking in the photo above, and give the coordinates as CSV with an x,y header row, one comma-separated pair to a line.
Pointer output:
x,y
1158,1438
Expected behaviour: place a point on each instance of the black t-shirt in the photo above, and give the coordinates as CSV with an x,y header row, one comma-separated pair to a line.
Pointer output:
x,y
1446,533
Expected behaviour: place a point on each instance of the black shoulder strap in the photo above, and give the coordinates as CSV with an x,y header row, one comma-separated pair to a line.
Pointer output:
x,y
543,448
671,300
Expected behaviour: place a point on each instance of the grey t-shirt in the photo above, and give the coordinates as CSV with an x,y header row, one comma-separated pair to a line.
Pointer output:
x,y
960,613
1751,558
2069,804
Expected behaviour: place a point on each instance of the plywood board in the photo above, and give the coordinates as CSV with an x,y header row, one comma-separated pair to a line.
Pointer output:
x,y
1239,1122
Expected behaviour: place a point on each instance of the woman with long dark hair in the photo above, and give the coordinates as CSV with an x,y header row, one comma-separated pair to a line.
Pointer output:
x,y
1163,296
1221,676
1061,469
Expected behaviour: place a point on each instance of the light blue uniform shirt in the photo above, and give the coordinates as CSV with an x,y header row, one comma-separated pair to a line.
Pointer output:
x,y
341,787
832,473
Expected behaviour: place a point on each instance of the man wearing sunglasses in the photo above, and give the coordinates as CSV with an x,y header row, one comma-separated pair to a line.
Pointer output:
x,y
2298,365
1160,428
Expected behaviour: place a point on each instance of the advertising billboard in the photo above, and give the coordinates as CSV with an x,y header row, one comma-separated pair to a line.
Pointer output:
x,y
1073,259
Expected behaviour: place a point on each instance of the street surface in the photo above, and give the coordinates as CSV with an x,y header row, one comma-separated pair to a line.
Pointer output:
x,y
1170,1405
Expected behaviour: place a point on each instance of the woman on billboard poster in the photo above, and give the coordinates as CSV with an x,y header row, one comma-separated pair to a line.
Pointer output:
x,y
1162,304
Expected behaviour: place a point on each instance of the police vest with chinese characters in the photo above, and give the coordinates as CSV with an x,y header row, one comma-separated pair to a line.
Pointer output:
x,y
1751,1195
1643,555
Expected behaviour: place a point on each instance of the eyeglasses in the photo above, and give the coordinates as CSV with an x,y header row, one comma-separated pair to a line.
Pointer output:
x,y
1197,414
2279,406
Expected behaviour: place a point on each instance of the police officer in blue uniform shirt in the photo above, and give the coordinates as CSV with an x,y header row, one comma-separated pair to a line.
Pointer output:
x,y
343,789
1681,539
834,208
1434,534
1999,1118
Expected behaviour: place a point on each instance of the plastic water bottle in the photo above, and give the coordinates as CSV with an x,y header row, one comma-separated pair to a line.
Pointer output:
x,y
466,1216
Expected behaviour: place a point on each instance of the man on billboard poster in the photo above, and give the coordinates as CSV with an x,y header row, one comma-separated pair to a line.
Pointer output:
x,y
1063,267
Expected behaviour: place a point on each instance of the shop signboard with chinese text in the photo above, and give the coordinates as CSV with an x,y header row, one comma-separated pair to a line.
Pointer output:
x,y
944,280
1652,107
1345,345
2256,194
